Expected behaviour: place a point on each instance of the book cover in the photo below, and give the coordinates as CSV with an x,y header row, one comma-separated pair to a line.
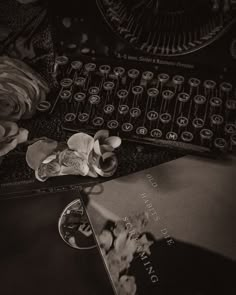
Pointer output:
x,y
169,229
35,259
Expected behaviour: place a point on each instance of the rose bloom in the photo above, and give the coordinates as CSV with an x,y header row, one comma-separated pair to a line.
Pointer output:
x,y
21,90
10,136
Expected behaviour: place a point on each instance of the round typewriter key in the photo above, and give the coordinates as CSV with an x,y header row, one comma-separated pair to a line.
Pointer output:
x,y
220,144
98,121
182,122
79,96
113,124
183,97
172,136
94,99
206,136
199,99
230,129
90,67
93,90
60,66
152,115
148,76
187,136
194,82
178,80
65,94
80,81
163,78
109,109
104,69
168,94
119,71
43,106
67,82
133,73
135,112
76,65
209,84
198,123
141,130
217,120
226,87
108,86
137,90
215,102
165,118
153,92
122,93
127,127
123,109
62,60
70,117
157,133
83,117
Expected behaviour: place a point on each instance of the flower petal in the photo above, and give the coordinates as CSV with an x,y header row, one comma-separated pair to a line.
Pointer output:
x,y
11,128
113,141
39,151
107,155
38,177
107,167
69,171
106,148
49,159
81,142
96,148
2,132
101,135
22,136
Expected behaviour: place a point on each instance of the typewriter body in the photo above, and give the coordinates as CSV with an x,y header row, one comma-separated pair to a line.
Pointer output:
x,y
156,72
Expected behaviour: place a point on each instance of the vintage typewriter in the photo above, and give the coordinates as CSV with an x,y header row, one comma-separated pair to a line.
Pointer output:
x,y
155,72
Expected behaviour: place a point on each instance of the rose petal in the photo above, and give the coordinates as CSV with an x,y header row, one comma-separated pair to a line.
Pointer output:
x,y
101,135
69,171
5,148
49,159
76,161
96,148
38,177
39,151
2,132
22,136
81,142
92,173
106,168
107,155
113,141
106,148
11,128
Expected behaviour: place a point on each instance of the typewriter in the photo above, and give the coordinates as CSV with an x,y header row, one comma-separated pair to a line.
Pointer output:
x,y
155,72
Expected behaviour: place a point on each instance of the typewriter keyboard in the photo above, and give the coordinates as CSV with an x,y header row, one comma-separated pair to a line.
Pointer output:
x,y
181,109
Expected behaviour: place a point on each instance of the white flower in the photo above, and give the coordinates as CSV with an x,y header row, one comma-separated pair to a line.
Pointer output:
x,y
81,156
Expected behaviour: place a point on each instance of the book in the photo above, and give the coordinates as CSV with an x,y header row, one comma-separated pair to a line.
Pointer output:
x,y
169,229
34,257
